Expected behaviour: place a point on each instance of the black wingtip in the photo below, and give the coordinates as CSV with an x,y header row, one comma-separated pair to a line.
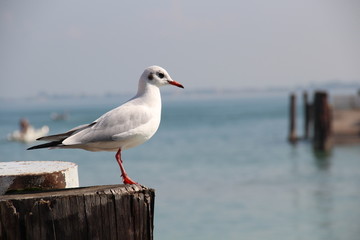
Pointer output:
x,y
45,145
33,147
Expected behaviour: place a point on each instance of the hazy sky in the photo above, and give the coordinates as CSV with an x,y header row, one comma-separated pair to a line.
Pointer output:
x,y
96,47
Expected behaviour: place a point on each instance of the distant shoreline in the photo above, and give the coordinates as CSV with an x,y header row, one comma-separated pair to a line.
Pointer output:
x,y
46,99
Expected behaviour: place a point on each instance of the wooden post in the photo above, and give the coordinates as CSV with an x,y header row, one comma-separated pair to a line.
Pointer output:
x,y
98,212
292,118
322,122
306,110
310,110
39,175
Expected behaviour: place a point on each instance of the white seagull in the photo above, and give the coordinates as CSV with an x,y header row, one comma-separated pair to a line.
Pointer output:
x,y
124,127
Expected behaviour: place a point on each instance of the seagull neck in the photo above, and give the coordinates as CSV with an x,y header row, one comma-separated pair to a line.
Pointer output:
x,y
148,92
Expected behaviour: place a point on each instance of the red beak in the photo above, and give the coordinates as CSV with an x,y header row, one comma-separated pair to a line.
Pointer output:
x,y
175,84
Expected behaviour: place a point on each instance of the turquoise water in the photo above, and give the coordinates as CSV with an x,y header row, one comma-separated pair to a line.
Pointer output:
x,y
222,169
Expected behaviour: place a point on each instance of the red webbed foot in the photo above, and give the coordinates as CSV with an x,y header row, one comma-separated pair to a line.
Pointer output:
x,y
127,180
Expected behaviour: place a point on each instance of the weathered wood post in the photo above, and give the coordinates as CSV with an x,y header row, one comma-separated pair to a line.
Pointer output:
x,y
98,212
39,175
322,122
306,109
292,119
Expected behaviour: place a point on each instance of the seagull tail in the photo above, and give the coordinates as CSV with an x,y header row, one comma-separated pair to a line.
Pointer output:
x,y
46,145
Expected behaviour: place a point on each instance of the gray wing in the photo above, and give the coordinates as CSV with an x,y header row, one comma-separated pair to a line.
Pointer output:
x,y
56,140
62,136
114,122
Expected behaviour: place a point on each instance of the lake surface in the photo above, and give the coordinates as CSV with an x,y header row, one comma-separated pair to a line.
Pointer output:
x,y
222,169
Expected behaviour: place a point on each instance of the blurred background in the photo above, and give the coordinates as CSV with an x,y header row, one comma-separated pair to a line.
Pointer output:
x,y
220,162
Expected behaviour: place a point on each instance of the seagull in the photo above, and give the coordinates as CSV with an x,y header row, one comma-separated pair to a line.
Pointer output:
x,y
124,127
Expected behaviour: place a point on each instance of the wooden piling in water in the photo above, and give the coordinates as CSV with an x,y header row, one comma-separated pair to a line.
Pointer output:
x,y
98,212
307,115
292,119
327,124
322,122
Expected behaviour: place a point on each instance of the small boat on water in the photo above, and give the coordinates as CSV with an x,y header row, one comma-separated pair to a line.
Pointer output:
x,y
27,133
59,116
29,136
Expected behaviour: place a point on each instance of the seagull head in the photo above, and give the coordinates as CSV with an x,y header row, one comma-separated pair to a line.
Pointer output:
x,y
158,76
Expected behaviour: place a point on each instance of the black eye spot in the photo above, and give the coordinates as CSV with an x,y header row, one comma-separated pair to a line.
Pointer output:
x,y
161,75
150,77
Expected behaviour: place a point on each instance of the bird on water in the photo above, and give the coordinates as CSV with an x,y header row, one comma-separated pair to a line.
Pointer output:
x,y
124,127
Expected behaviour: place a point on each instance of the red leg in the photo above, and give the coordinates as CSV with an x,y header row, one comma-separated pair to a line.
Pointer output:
x,y
124,175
